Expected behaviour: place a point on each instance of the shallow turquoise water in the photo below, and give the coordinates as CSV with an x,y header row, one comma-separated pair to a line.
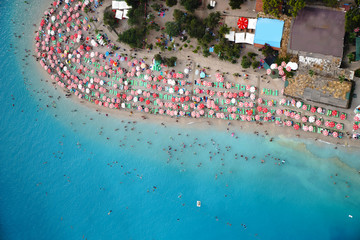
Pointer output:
x,y
60,178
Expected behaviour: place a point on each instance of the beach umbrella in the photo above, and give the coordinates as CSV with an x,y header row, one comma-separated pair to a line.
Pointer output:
x,y
355,127
304,119
242,23
335,134
313,109
318,122
288,123
319,110
339,126
325,133
311,119
342,116
296,127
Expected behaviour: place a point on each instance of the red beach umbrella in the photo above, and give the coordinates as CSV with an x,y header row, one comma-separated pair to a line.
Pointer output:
x,y
334,112
242,23
296,127
355,127
147,102
313,109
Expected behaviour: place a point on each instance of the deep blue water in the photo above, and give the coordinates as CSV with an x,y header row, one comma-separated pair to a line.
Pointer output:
x,y
62,169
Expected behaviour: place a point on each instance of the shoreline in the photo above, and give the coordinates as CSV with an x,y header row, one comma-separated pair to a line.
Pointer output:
x,y
220,124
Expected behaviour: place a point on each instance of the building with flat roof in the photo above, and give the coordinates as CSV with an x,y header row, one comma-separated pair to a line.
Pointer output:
x,y
318,33
268,31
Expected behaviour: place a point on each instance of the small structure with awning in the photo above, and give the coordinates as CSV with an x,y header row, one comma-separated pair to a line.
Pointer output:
x,y
121,8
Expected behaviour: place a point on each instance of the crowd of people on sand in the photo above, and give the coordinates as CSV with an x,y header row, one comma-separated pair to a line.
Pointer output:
x,y
85,65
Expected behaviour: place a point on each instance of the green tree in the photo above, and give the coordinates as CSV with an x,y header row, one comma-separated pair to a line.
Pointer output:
x,y
295,6
170,62
272,7
212,20
109,19
351,57
267,50
245,62
255,64
206,52
156,7
341,78
252,55
235,4
133,36
172,28
224,29
179,16
196,28
171,3
311,72
357,73
136,15
190,5
331,3
158,58
352,19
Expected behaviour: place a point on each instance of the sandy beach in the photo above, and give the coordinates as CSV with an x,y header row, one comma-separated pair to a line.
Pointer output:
x,y
187,59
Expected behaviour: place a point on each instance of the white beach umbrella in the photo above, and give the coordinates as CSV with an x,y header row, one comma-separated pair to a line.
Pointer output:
x,y
139,91
123,105
101,82
87,90
181,91
294,66
186,70
135,99
298,104
252,89
311,119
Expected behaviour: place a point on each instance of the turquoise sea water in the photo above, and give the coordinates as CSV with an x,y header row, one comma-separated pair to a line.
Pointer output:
x,y
63,167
